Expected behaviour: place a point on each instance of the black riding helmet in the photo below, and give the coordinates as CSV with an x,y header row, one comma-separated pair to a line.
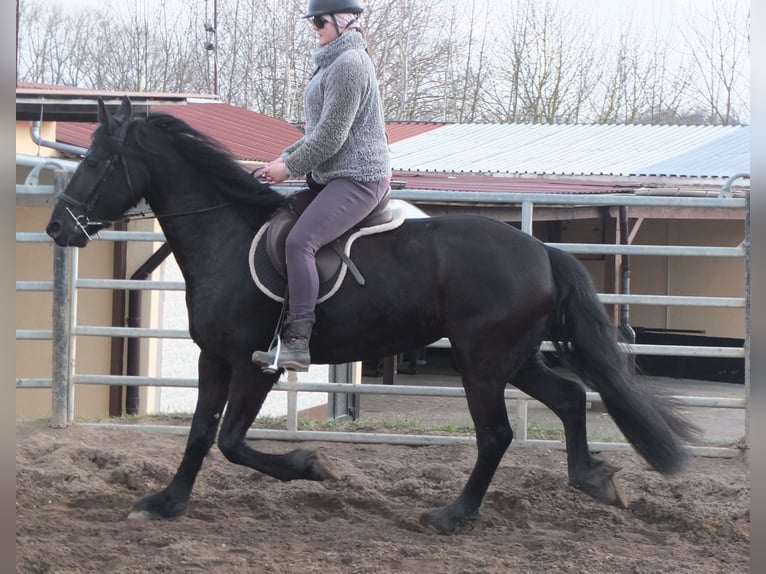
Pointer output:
x,y
319,7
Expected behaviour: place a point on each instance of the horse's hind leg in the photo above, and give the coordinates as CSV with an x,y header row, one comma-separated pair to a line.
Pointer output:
x,y
566,398
493,436
248,389
173,501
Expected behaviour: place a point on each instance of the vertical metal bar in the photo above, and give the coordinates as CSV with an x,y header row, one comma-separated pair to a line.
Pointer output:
x,y
747,320
344,406
521,413
74,258
625,327
292,402
527,209
527,213
119,307
59,388
60,380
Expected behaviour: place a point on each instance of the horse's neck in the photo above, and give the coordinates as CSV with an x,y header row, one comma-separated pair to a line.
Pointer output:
x,y
206,235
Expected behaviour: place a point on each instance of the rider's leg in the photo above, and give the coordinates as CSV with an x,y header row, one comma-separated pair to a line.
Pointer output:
x,y
337,208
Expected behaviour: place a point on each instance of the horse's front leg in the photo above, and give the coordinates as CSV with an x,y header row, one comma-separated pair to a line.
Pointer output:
x,y
173,501
247,391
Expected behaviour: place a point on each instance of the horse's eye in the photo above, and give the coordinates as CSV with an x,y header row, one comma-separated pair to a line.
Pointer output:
x,y
91,163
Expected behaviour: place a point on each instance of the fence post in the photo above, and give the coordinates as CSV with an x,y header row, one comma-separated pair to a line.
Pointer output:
x,y
74,273
60,381
747,320
59,385
292,402
527,210
345,406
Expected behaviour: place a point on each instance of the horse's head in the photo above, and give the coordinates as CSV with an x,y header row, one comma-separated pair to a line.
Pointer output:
x,y
103,187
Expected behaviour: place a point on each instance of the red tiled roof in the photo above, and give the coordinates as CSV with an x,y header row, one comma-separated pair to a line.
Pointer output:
x,y
398,131
75,133
247,135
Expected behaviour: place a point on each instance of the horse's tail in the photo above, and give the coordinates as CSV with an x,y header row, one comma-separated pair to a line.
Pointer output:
x,y
586,341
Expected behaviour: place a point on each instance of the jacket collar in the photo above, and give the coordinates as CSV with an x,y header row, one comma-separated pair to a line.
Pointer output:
x,y
325,55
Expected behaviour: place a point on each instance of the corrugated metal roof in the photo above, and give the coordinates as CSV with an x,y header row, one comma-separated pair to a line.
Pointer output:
x,y
567,149
246,134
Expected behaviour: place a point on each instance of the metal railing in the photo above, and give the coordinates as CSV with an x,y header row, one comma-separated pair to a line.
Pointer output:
x,y
65,331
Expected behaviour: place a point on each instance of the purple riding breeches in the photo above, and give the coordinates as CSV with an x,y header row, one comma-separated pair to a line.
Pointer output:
x,y
337,208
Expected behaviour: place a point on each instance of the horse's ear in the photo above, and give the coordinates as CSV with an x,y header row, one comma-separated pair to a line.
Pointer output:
x,y
103,113
124,113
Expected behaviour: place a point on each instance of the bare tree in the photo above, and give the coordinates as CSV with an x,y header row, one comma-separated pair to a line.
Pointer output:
x,y
447,60
52,44
404,54
637,84
719,48
543,66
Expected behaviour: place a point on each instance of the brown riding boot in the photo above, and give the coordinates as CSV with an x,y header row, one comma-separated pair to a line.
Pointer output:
x,y
293,352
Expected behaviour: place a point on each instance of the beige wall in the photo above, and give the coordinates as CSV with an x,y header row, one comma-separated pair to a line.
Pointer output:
x,y
34,262
691,276
25,144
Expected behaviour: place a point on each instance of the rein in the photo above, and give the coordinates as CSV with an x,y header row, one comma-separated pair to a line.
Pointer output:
x,y
143,215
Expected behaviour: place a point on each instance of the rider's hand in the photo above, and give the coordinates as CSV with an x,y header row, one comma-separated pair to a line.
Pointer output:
x,y
275,171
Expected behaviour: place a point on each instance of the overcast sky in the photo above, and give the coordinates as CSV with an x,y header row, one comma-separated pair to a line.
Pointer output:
x,y
649,12
649,17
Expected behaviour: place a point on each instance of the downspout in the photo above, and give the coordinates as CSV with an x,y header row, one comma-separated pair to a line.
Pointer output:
x,y
34,132
134,320
119,269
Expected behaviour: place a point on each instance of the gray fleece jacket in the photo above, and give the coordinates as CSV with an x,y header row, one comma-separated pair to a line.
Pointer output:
x,y
345,133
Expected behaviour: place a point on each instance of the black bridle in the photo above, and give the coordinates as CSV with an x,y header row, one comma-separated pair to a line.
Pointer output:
x,y
87,206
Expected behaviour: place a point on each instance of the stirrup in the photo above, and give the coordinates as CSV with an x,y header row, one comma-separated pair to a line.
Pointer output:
x,y
272,367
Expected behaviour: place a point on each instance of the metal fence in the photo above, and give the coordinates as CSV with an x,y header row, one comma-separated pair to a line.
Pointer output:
x,y
66,284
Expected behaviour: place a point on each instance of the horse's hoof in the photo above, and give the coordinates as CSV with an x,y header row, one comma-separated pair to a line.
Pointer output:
x,y
323,468
307,464
157,507
618,497
140,515
444,521
600,483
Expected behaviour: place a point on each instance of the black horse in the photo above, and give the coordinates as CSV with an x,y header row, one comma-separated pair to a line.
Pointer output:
x,y
494,291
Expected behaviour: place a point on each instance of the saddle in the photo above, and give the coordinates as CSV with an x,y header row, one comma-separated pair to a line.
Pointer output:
x,y
267,253
329,257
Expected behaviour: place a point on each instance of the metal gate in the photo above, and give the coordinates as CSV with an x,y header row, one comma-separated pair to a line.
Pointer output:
x,y
66,283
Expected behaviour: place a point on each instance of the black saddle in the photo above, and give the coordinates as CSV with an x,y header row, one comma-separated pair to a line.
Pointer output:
x,y
330,257
267,251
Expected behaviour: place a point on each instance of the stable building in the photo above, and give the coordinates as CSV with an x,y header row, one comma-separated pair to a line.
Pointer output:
x,y
444,169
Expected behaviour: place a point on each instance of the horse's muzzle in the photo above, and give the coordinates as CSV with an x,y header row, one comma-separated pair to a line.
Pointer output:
x,y
66,236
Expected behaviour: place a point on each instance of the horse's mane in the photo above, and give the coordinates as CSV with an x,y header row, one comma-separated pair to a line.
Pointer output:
x,y
209,157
